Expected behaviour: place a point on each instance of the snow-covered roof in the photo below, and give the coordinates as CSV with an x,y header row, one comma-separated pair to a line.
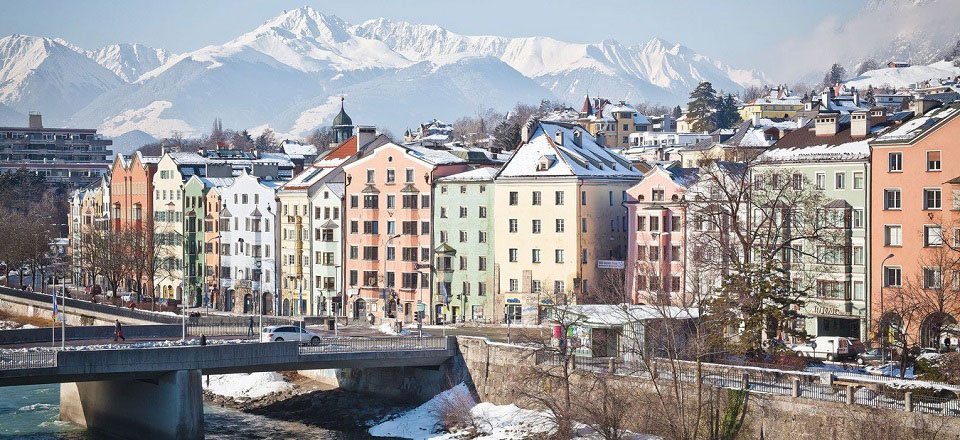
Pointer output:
x,y
853,150
297,149
479,174
620,314
216,182
338,188
920,125
586,160
278,158
186,158
434,157
307,178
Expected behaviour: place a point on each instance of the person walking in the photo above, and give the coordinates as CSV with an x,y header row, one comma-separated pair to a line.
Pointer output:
x,y
250,327
118,332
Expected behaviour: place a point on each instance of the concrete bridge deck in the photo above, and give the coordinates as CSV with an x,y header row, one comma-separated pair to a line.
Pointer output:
x,y
22,367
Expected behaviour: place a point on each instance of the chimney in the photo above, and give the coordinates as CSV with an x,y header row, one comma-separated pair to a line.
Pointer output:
x,y
859,124
365,135
920,106
558,137
36,120
801,121
826,124
756,120
527,130
576,137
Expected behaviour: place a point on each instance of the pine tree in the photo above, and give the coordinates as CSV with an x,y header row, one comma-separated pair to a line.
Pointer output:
x,y
677,112
703,102
836,75
507,134
726,114
266,140
869,98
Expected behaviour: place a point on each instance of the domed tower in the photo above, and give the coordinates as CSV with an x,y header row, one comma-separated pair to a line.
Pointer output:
x,y
342,125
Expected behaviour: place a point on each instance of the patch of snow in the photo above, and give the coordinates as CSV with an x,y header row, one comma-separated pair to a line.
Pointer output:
x,y
147,119
315,117
422,422
387,328
903,77
27,326
246,386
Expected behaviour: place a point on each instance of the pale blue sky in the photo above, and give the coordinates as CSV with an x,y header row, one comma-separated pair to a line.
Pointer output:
x,y
730,30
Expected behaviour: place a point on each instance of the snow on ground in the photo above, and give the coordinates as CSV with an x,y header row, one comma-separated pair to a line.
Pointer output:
x,y
387,328
246,386
492,422
125,345
148,119
900,77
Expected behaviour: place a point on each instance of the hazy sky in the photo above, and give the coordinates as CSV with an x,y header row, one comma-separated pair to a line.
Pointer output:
x,y
734,31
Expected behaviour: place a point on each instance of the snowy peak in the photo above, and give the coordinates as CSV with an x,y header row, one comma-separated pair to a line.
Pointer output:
x,y
306,22
130,61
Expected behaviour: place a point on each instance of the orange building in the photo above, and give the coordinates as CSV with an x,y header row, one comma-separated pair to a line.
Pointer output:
x,y
131,200
915,225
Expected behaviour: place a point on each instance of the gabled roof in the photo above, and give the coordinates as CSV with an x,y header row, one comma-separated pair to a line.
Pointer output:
x,y
583,159
918,126
479,174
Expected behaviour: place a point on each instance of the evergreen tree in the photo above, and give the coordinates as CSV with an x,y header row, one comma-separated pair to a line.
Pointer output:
x,y
867,65
507,134
726,114
677,112
266,140
703,102
836,74
869,98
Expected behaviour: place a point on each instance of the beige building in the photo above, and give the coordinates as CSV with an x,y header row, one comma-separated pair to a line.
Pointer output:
x,y
560,215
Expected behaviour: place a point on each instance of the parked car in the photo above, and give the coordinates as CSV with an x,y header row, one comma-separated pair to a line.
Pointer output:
x,y
280,333
874,355
831,348
856,347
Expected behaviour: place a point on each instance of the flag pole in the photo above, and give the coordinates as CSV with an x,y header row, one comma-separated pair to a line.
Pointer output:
x,y
63,318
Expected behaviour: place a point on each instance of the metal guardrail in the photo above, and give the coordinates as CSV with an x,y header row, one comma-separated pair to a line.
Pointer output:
x,y
75,304
27,359
844,388
359,345
220,325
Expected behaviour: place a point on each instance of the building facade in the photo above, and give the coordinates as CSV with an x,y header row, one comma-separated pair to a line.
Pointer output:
x,y
74,156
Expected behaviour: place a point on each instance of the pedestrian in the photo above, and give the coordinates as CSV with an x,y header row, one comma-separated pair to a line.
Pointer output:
x,y
250,327
118,332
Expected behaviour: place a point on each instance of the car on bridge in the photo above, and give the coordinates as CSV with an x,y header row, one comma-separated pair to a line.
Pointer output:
x,y
280,333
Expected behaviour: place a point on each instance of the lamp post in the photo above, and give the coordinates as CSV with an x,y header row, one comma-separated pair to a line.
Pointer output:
x,y
385,295
257,265
883,335
208,300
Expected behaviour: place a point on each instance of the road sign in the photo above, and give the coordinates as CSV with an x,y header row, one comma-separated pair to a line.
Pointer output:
x,y
421,307
609,264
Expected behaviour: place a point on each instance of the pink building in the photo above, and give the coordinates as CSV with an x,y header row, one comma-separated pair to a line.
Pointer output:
x,y
656,249
389,210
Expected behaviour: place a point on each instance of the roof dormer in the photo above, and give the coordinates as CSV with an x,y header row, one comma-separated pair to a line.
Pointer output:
x,y
545,162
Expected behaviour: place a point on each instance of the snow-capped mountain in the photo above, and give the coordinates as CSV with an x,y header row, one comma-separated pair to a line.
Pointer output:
x,y
129,61
45,74
904,77
289,73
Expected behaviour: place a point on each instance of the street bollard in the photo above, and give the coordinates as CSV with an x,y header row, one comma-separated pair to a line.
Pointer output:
x,y
908,401
796,387
850,391
745,381
613,366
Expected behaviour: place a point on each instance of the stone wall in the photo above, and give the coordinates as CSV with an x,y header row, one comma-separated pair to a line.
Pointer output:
x,y
497,372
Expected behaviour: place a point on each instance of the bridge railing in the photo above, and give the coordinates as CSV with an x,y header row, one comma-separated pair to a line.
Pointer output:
x,y
347,345
72,305
10,360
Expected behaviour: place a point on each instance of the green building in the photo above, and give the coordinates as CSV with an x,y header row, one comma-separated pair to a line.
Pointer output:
x,y
194,202
463,240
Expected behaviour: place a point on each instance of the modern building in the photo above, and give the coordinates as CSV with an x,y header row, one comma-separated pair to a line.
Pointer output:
x,y
914,199
74,156
561,226
463,238
389,224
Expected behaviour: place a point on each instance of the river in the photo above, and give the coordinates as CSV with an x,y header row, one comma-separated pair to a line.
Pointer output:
x,y
31,412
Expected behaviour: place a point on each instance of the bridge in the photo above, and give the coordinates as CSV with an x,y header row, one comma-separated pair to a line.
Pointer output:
x,y
156,391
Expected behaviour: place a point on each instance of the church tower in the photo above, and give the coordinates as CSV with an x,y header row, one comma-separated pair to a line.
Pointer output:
x,y
342,125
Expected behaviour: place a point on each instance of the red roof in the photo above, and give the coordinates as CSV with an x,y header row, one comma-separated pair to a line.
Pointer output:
x,y
345,150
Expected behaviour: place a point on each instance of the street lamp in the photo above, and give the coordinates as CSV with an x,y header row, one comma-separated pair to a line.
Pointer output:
x,y
208,300
883,337
385,295
258,264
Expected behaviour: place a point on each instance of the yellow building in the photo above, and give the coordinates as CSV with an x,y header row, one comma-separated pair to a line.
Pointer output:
x,y
779,103
613,122
559,213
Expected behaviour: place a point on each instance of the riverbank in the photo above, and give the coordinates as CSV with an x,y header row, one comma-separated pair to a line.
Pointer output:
x,y
298,399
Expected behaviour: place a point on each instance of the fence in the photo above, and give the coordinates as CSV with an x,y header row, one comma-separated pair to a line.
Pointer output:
x,y
27,359
74,304
347,345
234,325
850,388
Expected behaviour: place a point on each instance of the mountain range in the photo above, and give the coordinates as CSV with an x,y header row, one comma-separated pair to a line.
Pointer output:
x,y
289,73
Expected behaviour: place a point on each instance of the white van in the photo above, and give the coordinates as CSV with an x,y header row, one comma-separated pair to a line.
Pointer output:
x,y
831,348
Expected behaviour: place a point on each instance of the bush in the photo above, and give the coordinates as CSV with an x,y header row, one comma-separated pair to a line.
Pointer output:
x,y
455,412
918,388
945,368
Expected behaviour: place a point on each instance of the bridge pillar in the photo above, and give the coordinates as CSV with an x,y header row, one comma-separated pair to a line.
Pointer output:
x,y
170,407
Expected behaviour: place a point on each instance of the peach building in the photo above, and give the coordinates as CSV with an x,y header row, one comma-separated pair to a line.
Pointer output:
x,y
915,199
388,228
131,200
656,237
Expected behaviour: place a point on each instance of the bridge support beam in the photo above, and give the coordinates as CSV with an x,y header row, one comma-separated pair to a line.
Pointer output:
x,y
170,407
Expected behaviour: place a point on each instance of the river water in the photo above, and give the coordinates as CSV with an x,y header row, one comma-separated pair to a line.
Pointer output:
x,y
31,412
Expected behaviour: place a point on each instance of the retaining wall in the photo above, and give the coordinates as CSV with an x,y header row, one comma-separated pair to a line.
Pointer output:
x,y
33,335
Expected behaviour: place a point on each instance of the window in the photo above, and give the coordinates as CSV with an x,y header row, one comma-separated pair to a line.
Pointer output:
x,y
513,225
391,227
463,236
641,223
858,291
443,236
891,199
892,235
558,255
408,175
443,212
463,189
857,218
513,255
840,180
391,176
409,228
895,162
797,181
425,200
391,253
409,201
514,198
536,226
354,201
657,195
514,284
536,256
409,280
371,176
370,253
931,198
353,278
931,278
674,283
371,227
482,236
536,198
483,212
654,223
463,212
558,287
354,226
674,253
463,262
932,235
653,253
583,198
933,161
482,263
354,252
858,255
560,226
558,198
858,180
675,223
